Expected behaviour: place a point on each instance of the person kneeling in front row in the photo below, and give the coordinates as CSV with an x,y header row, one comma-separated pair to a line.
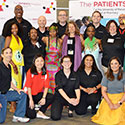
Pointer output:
x,y
37,84
5,95
67,92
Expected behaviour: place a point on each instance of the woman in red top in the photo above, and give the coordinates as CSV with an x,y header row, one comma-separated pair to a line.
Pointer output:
x,y
37,84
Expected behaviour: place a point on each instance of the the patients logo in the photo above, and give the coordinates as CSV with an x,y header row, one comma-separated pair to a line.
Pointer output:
x,y
3,5
49,9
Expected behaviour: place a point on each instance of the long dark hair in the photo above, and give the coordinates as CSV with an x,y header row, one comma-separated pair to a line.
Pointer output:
x,y
109,73
57,36
33,67
9,29
82,66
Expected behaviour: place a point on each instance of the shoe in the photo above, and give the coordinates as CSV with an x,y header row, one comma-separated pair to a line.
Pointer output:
x,y
94,111
20,119
70,114
43,117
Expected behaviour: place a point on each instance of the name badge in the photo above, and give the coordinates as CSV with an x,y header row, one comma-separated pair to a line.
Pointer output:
x,y
69,42
72,78
110,40
70,52
100,31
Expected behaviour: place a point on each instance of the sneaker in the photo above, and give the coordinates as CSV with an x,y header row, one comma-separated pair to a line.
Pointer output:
x,y
42,116
70,113
20,119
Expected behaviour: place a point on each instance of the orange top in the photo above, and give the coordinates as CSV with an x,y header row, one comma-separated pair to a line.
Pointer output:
x,y
36,82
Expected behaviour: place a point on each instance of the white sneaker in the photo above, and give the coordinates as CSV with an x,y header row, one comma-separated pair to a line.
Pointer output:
x,y
20,119
43,117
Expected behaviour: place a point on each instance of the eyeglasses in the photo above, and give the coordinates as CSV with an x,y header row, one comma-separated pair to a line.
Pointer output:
x,y
121,17
66,61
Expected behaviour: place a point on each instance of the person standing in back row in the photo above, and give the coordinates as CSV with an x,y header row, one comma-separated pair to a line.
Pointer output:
x,y
62,23
23,24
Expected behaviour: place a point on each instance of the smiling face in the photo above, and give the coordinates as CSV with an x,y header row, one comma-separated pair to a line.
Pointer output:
x,y
42,21
121,18
112,28
71,28
33,34
18,12
39,63
96,18
14,29
62,17
88,62
114,64
66,63
52,33
91,32
7,55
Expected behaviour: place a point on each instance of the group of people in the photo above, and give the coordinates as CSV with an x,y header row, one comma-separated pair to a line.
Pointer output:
x,y
59,66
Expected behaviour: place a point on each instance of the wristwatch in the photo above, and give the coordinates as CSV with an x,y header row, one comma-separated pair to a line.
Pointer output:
x,y
120,103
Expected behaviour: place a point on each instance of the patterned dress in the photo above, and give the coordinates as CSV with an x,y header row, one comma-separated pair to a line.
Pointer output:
x,y
17,58
52,62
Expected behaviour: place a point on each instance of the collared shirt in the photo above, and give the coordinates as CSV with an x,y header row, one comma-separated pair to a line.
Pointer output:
x,y
44,34
36,82
30,51
5,77
69,85
121,31
112,46
91,80
61,29
24,25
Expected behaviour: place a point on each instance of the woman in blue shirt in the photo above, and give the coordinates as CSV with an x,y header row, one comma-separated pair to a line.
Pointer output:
x,y
112,107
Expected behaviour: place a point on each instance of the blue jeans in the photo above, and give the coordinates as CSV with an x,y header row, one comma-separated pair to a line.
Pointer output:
x,y
13,96
3,109
2,41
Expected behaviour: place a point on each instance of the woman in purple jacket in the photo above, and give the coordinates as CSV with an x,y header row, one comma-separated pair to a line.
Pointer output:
x,y
72,47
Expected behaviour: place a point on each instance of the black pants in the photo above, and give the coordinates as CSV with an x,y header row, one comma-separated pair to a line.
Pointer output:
x,y
31,113
57,107
87,100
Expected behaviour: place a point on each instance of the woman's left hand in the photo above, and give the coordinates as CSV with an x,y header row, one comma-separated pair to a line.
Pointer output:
x,y
42,101
91,90
116,106
75,101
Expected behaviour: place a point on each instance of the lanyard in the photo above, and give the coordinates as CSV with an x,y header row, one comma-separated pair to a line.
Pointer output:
x,y
122,32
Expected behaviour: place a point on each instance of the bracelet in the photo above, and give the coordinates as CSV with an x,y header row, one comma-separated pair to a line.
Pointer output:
x,y
43,97
120,103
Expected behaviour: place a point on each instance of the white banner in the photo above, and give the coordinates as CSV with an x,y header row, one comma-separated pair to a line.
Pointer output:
x,y
32,10
109,9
